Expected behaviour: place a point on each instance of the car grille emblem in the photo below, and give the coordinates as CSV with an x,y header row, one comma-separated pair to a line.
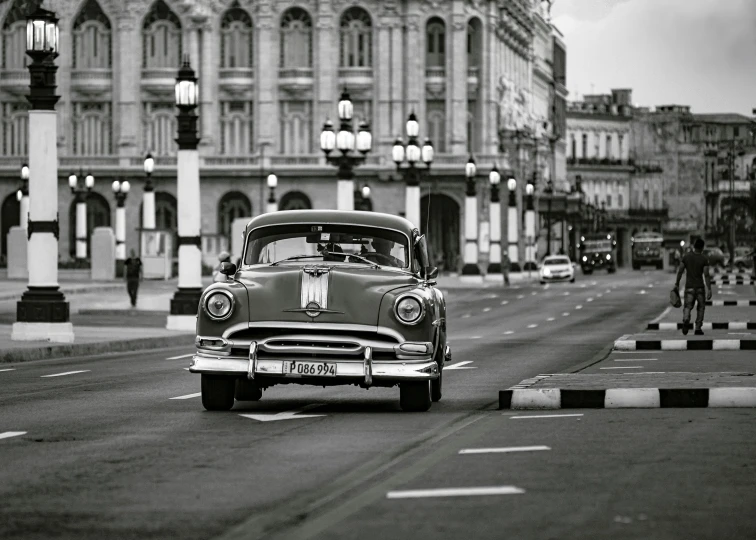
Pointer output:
x,y
314,290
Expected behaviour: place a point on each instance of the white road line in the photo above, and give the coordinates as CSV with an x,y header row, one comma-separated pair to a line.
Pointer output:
x,y
544,416
466,316
460,365
486,310
583,286
599,295
635,359
566,294
550,319
66,373
8,369
180,357
454,492
566,314
9,434
533,293
578,307
504,302
504,450
624,367
185,369
532,326
643,291
520,296
475,337
663,313
508,332
589,300
630,352
188,396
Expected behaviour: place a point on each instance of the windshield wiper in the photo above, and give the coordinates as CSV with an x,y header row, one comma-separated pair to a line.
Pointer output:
x,y
352,255
295,258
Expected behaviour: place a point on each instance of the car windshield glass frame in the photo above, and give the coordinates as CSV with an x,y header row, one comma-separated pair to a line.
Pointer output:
x,y
593,246
556,262
284,243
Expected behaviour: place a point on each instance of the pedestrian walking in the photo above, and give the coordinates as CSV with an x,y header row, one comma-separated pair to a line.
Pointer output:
x,y
695,266
505,265
133,272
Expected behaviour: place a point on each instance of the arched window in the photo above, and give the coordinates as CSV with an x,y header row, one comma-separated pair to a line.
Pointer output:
x,y
236,128
573,146
91,38
296,39
161,38
296,127
15,129
435,37
437,125
356,38
159,129
236,38
295,200
231,206
14,38
474,43
98,215
91,129
10,214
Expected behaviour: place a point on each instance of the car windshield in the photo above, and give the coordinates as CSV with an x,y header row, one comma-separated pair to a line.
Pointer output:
x,y
597,245
305,243
554,262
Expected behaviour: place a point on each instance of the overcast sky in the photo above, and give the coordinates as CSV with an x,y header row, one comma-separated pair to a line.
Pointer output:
x,y
700,53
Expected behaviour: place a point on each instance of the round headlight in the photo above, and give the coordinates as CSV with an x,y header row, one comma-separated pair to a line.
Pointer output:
x,y
219,305
585,258
409,310
608,257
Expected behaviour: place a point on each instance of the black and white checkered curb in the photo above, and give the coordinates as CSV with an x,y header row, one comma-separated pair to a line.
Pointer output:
x,y
625,398
734,281
624,344
733,325
731,303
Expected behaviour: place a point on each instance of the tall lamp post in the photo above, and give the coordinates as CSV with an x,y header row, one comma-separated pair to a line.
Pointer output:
x,y
548,190
471,221
43,313
148,196
413,154
529,228
366,204
346,143
121,190
22,196
513,229
81,193
272,183
185,301
494,214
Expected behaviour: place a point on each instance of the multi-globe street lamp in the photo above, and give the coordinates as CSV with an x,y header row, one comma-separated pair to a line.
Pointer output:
x,y
185,301
121,190
272,182
494,214
22,196
513,227
412,153
470,267
43,313
81,194
346,143
148,195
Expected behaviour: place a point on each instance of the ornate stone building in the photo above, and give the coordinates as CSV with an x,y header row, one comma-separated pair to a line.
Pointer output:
x,y
270,74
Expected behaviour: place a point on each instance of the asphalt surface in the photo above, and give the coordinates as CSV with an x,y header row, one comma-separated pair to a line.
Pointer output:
x,y
107,453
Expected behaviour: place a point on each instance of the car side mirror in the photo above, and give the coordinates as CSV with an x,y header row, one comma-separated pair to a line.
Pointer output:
x,y
431,272
227,268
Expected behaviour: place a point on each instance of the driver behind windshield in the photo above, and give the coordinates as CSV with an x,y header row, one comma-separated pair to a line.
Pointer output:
x,y
382,253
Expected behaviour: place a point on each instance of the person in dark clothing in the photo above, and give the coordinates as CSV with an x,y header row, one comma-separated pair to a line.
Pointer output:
x,y
697,283
133,266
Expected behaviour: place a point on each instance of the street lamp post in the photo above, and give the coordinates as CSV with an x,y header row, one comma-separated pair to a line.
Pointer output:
x,y
81,193
494,214
530,254
43,313
471,221
513,229
413,154
121,190
148,196
185,301
365,203
548,190
22,196
346,143
272,183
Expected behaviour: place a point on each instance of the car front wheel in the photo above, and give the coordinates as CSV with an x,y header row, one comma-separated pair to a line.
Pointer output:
x,y
415,396
218,392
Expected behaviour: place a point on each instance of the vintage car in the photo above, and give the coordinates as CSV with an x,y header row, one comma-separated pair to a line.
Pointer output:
x,y
324,297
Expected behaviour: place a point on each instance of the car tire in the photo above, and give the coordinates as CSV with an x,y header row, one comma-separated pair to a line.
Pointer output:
x,y
636,266
612,270
543,283
217,392
415,396
247,390
572,280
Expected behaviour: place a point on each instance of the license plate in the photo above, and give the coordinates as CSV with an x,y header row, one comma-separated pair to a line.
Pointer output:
x,y
310,369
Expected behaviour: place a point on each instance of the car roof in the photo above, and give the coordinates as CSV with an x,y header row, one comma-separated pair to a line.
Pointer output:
x,y
349,217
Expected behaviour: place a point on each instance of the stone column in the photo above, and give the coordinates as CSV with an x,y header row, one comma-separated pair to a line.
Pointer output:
x,y
513,232
494,215
530,249
471,232
412,203
24,209
127,70
456,77
209,88
266,76
120,234
81,226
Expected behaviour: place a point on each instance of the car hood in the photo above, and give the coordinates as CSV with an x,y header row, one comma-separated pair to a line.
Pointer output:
x,y
344,294
557,267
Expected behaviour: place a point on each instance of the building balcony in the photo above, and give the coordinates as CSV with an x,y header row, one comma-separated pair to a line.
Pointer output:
x,y
649,213
600,162
356,78
295,78
160,82
739,187
647,167
92,82
237,81
15,81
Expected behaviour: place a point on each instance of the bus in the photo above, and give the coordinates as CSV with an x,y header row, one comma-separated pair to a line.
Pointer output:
x,y
647,250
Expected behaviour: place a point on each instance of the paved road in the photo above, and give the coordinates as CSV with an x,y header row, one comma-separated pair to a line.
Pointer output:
x,y
107,453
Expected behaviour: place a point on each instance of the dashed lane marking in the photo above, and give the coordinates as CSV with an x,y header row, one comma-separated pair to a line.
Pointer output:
x,y
544,416
454,492
180,356
66,373
566,293
504,302
466,316
9,434
635,359
599,295
624,367
520,296
504,450
566,314
533,293
532,326
589,300
460,365
579,306
486,310
188,396
550,319
8,369
508,332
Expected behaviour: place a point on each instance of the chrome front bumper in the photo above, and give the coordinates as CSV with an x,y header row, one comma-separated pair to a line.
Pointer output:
x,y
364,371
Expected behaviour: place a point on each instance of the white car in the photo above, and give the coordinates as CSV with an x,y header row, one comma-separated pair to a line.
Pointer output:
x,y
557,268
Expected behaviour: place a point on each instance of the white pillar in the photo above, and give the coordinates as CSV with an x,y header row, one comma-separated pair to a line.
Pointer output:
x,y
471,237
42,254
345,195
120,233
148,210
530,253
271,207
24,222
81,230
189,223
513,237
494,257
412,205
